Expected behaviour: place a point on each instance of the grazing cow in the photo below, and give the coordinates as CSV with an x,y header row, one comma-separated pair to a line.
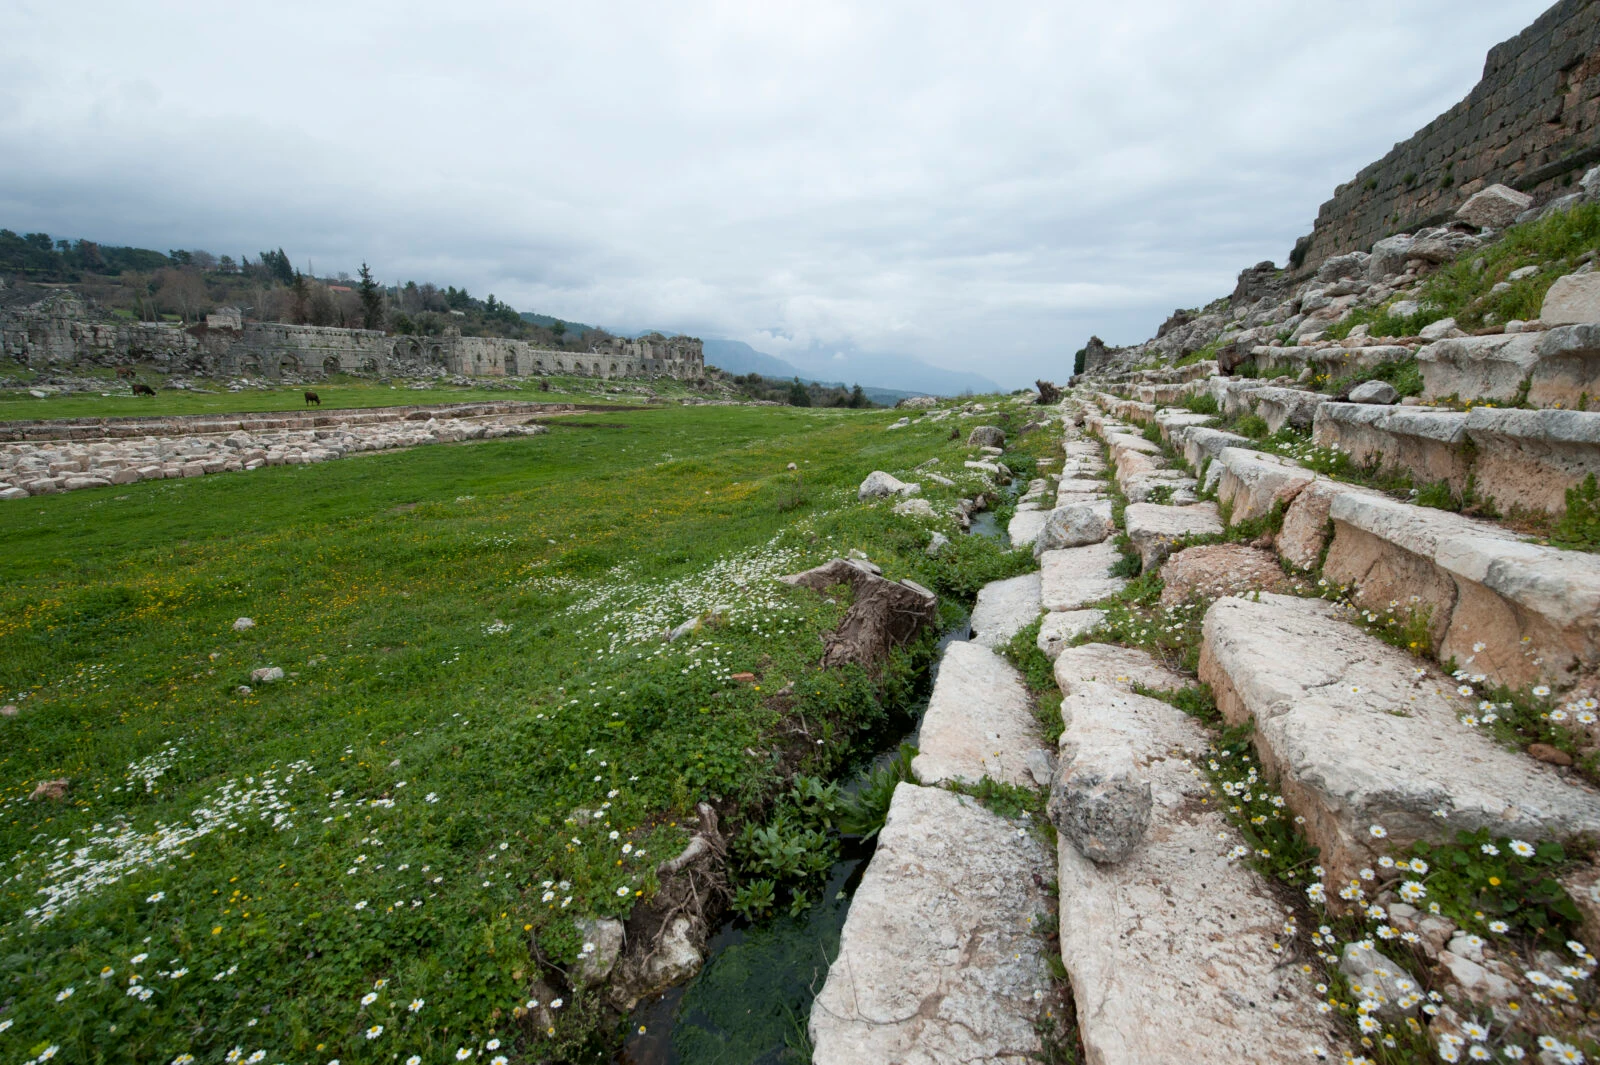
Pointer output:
x,y
312,397
142,389
125,371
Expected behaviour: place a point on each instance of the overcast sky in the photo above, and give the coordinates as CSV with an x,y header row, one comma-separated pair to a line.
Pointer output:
x,y
980,185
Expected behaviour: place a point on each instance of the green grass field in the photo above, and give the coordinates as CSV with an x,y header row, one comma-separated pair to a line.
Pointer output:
x,y
17,404
481,734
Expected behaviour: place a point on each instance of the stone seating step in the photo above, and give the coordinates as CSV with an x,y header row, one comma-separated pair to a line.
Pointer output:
x,y
942,957
979,722
1075,577
1156,529
1170,949
1517,458
1005,608
1025,526
1358,733
1559,367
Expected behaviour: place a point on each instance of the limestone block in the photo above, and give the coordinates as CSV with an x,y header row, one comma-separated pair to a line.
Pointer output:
x,y
1060,628
1530,458
1025,526
602,944
1480,368
1252,482
1005,608
942,955
1429,445
1100,798
1075,525
1211,571
1441,330
1358,734
879,484
1078,576
1305,525
1170,950
1568,368
1201,444
915,508
1572,299
1156,529
1114,665
987,436
1293,407
979,722
1535,609
1495,207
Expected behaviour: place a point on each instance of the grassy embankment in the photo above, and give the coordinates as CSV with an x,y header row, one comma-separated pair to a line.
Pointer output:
x,y
471,637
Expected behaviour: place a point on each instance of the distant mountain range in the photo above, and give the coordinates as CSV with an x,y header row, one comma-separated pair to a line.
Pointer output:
x,y
901,375
886,378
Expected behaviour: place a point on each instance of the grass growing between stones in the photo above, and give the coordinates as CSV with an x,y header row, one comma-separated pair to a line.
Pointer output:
x,y
480,735
1038,673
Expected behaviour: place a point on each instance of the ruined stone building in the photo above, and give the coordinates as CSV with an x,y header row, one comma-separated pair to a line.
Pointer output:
x,y
60,331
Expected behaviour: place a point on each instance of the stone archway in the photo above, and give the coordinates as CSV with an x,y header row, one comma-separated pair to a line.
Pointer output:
x,y
330,365
288,364
370,365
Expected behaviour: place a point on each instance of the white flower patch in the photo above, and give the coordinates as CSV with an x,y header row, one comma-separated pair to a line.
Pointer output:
x,y
742,586
152,768
111,852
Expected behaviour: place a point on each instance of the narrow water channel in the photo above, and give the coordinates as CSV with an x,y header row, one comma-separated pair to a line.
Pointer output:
x,y
750,1004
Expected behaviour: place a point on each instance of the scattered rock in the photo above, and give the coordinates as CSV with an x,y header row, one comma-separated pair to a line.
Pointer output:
x,y
987,436
266,674
1572,300
242,624
879,484
1546,753
1443,329
51,790
1374,392
1495,207
936,543
8,710
1099,800
915,508
1375,976
1075,525
243,689
602,945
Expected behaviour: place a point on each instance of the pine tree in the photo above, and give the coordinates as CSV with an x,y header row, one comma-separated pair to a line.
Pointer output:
x,y
371,300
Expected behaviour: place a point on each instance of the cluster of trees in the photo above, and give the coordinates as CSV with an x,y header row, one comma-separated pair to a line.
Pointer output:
x,y
798,393
187,283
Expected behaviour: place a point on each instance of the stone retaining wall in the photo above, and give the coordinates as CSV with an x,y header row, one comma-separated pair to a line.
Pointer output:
x,y
1529,123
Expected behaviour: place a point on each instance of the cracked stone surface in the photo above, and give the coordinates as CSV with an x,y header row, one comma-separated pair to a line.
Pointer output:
x,y
1077,576
1005,608
1170,949
943,952
1060,628
1358,734
1113,664
979,722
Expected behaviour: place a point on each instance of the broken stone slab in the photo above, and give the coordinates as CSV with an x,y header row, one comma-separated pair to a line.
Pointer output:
x,y
942,956
1075,525
987,436
1535,609
1568,370
1293,407
1005,608
879,484
267,674
915,508
979,722
1170,951
1358,734
1100,797
1211,571
1170,486
1253,482
1114,665
1155,530
1060,628
1201,444
1078,576
1495,207
1380,392
1378,978
1478,368
1572,299
602,945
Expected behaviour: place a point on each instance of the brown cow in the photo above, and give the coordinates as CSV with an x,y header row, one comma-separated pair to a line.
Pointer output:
x,y
312,397
125,371
142,389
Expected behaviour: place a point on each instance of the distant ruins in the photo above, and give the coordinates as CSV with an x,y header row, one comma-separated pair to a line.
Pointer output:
x,y
61,332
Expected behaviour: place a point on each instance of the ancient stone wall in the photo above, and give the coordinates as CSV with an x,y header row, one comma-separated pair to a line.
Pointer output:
x,y
1529,123
60,332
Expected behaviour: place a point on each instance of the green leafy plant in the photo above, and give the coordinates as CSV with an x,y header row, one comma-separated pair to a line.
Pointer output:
x,y
1579,527
863,812
1503,887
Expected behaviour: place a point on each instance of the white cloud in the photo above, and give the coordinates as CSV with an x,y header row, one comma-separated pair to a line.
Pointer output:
x,y
980,186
